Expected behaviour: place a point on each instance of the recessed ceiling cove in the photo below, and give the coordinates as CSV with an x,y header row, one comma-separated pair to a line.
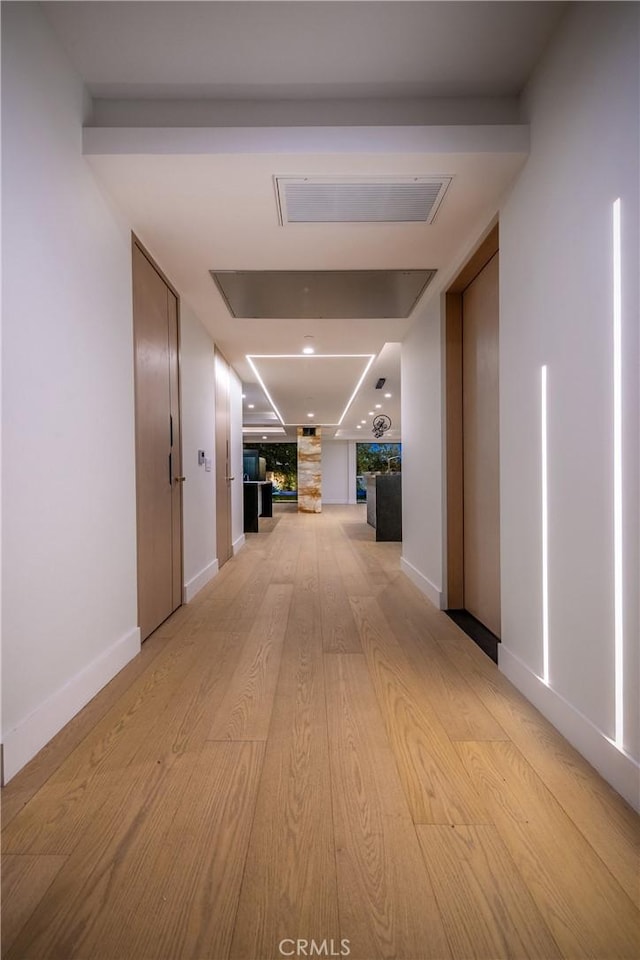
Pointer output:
x,y
311,390
321,294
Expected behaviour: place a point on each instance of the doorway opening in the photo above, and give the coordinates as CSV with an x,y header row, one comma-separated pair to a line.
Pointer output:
x,y
473,447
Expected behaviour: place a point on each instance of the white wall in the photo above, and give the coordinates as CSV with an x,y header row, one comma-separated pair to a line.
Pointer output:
x,y
69,582
335,471
422,487
556,309
197,384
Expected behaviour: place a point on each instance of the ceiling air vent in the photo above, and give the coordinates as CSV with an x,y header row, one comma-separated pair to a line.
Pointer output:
x,y
371,200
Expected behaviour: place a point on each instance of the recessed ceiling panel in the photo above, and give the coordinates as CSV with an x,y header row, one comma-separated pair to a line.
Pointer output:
x,y
321,294
311,389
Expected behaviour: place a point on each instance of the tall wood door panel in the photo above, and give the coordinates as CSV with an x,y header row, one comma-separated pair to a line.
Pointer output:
x,y
158,453
223,460
481,447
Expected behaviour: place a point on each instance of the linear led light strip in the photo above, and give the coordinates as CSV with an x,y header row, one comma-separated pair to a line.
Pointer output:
x,y
545,527
617,477
266,392
358,385
315,356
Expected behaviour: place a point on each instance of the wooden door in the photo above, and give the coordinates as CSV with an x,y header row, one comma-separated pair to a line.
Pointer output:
x,y
223,460
481,447
158,453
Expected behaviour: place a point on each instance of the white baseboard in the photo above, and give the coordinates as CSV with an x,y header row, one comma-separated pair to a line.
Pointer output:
x,y
423,584
618,768
200,580
31,734
238,544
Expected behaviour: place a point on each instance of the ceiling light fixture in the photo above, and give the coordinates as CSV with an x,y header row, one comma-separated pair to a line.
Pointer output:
x,y
378,406
251,406
266,392
264,438
358,385
388,396
316,356
381,424
311,414
308,348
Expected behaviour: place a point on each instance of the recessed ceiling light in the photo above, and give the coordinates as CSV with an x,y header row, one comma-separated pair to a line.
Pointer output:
x,y
244,396
311,414
370,414
308,350
264,438
378,406
358,426
251,406
387,395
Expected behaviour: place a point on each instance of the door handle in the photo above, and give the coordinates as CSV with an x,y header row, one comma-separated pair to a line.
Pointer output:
x,y
180,479
229,478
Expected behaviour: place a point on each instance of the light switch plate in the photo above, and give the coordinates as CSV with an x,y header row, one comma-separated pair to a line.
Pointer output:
x,y
207,464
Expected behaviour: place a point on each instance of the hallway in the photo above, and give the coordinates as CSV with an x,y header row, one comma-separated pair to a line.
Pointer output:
x,y
310,751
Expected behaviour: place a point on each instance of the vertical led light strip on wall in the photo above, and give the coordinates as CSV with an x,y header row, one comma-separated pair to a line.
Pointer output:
x,y
617,476
545,525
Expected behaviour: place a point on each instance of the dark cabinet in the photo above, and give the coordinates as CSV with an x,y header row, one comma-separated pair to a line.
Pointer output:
x,y
384,505
258,502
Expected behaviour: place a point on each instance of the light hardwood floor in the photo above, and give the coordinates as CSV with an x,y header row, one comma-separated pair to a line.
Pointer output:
x,y
310,750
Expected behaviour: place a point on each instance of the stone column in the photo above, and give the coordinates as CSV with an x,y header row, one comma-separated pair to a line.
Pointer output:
x,y
309,471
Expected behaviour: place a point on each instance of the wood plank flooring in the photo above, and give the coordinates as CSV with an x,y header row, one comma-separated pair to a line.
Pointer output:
x,y
310,752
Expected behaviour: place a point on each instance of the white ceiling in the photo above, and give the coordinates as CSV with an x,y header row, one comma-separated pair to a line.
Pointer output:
x,y
304,49
203,199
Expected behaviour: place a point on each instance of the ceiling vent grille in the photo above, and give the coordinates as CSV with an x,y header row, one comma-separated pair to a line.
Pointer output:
x,y
372,200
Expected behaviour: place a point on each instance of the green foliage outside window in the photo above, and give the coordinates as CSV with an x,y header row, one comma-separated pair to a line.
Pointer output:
x,y
282,465
282,461
375,458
